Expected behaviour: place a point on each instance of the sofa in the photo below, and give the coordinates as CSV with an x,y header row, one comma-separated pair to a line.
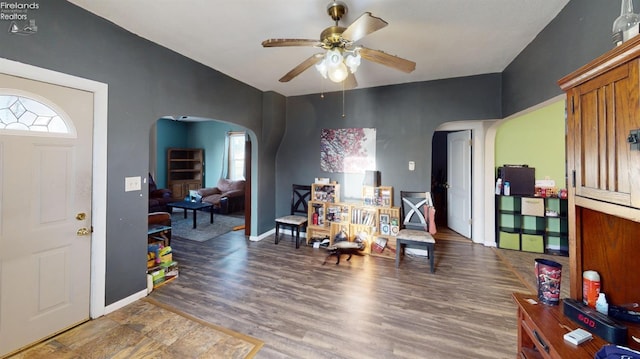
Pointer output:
x,y
226,197
158,198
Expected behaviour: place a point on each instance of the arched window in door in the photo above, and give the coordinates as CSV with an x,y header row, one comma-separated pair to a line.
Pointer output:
x,y
24,113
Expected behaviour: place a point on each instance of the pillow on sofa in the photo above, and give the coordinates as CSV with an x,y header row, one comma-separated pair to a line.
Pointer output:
x,y
226,185
204,192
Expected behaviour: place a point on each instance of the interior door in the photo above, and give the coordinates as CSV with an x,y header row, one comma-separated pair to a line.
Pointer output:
x,y
45,211
459,181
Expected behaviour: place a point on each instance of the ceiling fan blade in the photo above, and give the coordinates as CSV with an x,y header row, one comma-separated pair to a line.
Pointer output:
x,y
350,82
363,26
383,58
290,42
314,59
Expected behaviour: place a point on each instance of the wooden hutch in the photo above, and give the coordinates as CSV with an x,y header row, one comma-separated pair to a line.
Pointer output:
x,y
603,166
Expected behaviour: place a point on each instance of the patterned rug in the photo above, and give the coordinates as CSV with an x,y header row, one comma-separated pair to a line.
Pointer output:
x,y
204,231
146,329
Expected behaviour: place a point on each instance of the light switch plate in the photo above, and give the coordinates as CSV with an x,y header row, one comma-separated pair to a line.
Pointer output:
x,y
412,166
132,184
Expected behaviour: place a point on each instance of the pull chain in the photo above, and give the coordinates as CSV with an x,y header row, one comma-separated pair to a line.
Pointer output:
x,y
343,115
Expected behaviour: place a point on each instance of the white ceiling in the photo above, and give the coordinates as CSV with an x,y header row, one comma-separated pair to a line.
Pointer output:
x,y
446,38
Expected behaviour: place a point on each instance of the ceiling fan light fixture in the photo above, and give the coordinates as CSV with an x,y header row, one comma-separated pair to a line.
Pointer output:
x,y
333,58
322,68
338,73
353,61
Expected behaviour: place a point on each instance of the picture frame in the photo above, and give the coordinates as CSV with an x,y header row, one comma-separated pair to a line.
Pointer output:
x,y
384,218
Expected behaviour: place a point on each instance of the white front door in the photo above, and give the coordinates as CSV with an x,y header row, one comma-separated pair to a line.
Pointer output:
x,y
459,181
45,210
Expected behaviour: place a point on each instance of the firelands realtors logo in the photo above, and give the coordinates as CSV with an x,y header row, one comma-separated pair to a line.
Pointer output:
x,y
19,17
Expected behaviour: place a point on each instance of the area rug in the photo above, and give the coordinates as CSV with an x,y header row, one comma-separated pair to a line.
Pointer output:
x,y
204,231
146,329
230,344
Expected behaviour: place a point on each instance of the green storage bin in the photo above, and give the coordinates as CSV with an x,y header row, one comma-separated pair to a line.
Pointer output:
x,y
532,243
507,240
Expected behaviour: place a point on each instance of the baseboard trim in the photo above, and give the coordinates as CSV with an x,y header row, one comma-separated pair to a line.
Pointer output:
x,y
125,301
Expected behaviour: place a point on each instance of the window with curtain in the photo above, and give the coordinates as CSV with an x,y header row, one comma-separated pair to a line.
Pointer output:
x,y
236,155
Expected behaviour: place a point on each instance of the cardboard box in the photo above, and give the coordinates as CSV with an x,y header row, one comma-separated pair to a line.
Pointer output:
x,y
532,207
157,276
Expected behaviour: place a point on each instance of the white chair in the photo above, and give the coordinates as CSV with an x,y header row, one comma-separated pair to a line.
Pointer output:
x,y
414,232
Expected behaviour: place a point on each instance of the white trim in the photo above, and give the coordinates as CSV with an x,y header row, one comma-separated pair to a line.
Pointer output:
x,y
99,199
478,166
124,302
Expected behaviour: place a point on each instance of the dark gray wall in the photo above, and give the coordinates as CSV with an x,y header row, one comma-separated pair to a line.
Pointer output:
x,y
404,116
579,34
145,82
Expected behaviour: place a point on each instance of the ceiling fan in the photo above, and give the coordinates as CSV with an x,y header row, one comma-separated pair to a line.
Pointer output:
x,y
342,57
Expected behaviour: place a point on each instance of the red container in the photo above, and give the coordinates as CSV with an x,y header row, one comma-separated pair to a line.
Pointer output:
x,y
549,275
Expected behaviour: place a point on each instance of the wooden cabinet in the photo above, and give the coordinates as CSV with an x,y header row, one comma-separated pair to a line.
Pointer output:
x,y
603,107
185,171
541,329
602,112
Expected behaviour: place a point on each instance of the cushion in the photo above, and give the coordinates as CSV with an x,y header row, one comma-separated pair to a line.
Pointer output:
x,y
204,192
416,235
226,185
293,220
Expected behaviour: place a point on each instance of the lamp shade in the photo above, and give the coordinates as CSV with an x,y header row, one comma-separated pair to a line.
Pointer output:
x,y
338,73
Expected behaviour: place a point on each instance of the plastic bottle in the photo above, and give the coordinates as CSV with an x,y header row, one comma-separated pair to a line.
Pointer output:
x,y
507,188
590,287
499,186
601,304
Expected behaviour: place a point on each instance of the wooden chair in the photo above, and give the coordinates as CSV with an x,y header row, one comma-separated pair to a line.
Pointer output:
x,y
297,219
414,232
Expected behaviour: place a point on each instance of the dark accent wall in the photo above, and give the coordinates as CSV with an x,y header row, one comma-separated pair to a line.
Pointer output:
x,y
404,116
146,82
580,33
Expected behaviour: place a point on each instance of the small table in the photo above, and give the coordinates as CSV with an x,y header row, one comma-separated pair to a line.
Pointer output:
x,y
195,206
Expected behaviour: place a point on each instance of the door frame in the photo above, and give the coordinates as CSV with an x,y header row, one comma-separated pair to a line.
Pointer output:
x,y
478,129
99,172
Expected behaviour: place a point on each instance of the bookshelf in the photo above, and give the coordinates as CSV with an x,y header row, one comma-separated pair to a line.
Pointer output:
x,y
373,219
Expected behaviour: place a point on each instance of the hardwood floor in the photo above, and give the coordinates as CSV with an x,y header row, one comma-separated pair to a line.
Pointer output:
x,y
364,308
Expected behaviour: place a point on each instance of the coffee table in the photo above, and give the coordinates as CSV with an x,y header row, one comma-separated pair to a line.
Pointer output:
x,y
194,206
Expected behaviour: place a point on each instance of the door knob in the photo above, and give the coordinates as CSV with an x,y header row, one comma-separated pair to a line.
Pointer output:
x,y
82,232
81,216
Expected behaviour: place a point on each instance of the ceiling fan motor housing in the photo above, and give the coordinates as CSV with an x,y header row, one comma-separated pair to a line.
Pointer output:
x,y
337,9
332,37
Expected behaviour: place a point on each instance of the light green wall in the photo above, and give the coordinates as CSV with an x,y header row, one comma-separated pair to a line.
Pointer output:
x,y
536,139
